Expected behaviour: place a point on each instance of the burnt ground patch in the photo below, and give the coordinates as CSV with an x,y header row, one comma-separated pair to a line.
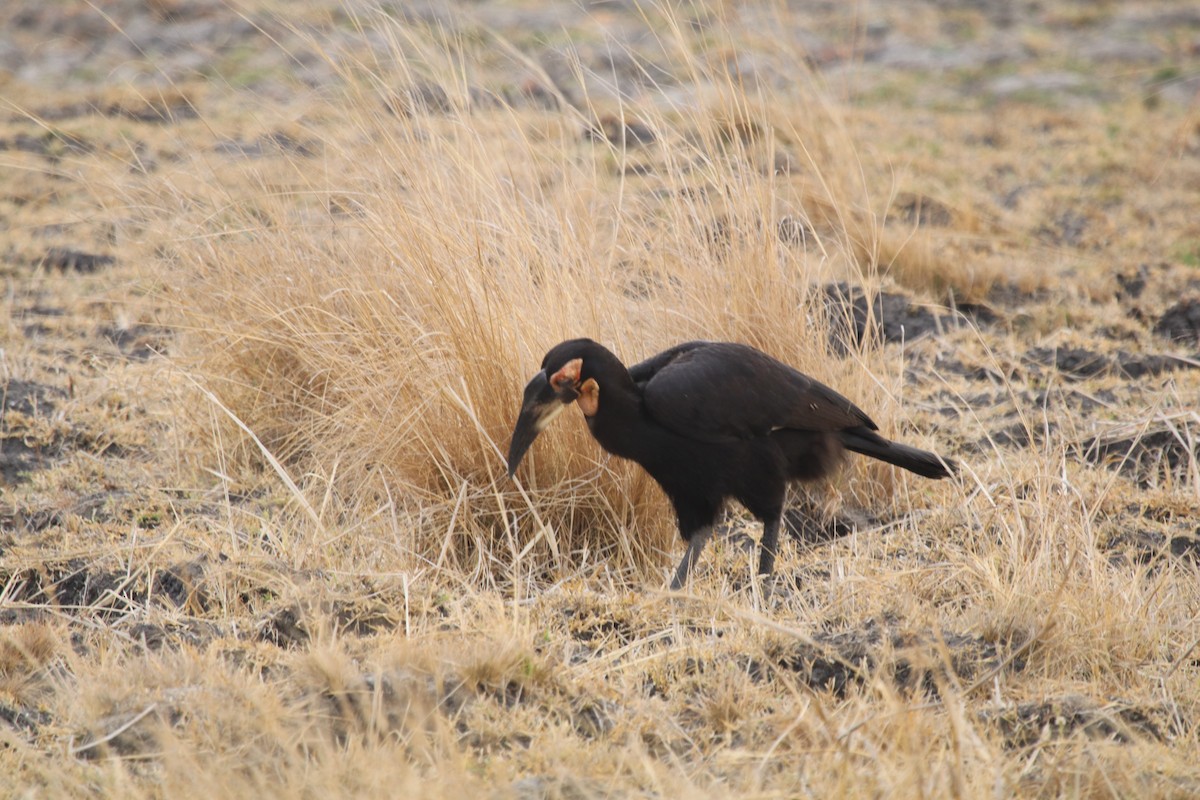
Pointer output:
x,y
274,143
918,209
1181,322
74,585
22,451
293,625
1080,363
836,661
27,397
52,145
18,460
66,259
29,444
1029,724
1144,545
599,626
84,588
88,508
810,525
1161,453
888,317
619,131
138,342
914,662
24,719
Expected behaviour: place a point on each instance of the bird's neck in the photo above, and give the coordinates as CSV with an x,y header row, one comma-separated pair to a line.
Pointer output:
x,y
619,425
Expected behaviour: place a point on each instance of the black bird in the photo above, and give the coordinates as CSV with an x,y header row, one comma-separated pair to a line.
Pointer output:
x,y
710,421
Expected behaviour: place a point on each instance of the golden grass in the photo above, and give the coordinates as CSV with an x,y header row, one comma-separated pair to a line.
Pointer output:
x,y
308,574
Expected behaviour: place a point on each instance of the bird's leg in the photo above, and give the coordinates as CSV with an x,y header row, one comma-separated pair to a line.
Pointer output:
x,y
694,547
769,546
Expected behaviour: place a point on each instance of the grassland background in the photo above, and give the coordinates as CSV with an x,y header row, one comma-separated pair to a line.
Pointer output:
x,y
276,274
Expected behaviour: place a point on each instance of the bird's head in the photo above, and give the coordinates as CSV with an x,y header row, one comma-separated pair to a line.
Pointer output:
x,y
565,378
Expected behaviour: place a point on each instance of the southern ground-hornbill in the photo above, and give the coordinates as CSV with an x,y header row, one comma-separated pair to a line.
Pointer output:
x,y
710,421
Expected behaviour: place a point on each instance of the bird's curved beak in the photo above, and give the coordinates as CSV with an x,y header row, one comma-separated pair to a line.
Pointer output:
x,y
541,404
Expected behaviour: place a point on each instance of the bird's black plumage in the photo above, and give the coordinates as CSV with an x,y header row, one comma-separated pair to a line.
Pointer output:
x,y
710,421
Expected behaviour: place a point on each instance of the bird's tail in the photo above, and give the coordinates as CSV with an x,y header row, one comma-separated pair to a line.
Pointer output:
x,y
922,462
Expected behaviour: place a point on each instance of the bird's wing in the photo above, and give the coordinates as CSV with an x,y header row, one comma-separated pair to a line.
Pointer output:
x,y
721,391
643,371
